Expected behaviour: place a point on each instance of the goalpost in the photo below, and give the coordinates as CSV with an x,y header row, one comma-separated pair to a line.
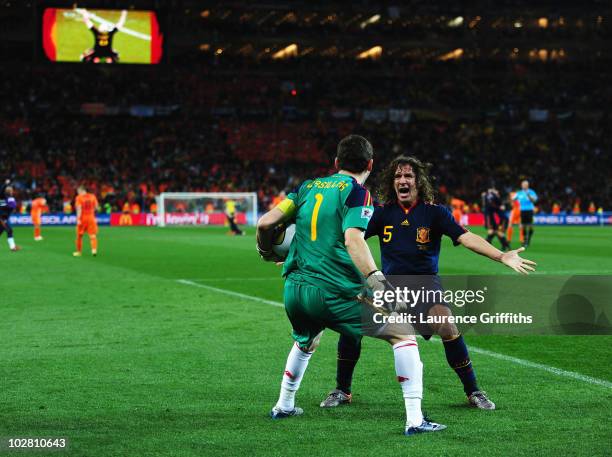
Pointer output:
x,y
205,208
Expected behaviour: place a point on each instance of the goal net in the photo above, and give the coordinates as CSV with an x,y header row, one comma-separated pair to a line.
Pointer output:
x,y
206,208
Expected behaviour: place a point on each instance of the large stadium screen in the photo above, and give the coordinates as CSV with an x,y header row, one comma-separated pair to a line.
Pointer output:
x,y
101,36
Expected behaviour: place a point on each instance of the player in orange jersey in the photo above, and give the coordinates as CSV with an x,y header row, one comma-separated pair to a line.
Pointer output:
x,y
86,207
515,219
277,199
457,204
39,206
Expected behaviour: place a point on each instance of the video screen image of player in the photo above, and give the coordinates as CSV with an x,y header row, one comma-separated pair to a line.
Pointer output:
x,y
101,36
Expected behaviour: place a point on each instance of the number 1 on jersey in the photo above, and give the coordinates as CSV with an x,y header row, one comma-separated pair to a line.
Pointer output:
x,y
315,215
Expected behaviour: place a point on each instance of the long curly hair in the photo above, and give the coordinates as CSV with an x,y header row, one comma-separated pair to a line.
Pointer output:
x,y
386,190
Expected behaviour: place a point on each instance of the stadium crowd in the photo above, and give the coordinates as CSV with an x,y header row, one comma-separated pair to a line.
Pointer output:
x,y
130,135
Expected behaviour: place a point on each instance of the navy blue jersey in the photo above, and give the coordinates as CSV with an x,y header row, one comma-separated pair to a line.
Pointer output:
x,y
410,237
7,204
491,201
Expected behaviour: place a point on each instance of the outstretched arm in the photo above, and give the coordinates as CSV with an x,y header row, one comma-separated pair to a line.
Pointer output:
x,y
511,258
122,19
85,15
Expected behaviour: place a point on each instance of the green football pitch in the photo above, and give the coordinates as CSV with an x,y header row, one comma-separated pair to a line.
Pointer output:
x,y
172,342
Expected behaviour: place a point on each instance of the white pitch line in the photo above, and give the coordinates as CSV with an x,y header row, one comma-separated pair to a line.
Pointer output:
x,y
230,292
134,33
237,279
477,350
557,371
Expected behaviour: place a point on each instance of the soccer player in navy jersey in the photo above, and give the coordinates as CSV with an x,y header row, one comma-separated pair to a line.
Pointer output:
x,y
496,219
7,206
410,227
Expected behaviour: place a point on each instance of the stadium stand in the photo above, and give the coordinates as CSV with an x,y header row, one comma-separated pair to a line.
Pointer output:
x,y
214,120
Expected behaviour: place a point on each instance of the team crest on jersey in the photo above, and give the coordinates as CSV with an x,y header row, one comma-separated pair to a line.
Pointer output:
x,y
422,235
366,213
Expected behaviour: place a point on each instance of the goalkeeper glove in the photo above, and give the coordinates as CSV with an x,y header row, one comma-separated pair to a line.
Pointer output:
x,y
377,281
268,256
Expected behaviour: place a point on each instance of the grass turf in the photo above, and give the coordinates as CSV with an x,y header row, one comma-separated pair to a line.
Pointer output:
x,y
115,354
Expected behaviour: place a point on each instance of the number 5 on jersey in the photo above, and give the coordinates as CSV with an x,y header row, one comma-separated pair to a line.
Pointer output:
x,y
387,233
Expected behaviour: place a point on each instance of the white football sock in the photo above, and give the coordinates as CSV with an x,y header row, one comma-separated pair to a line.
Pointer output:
x,y
292,377
409,370
11,242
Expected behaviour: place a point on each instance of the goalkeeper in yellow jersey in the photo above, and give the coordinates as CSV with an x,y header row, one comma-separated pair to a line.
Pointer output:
x,y
230,213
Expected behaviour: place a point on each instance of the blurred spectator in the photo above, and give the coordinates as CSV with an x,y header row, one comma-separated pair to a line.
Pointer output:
x,y
237,130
